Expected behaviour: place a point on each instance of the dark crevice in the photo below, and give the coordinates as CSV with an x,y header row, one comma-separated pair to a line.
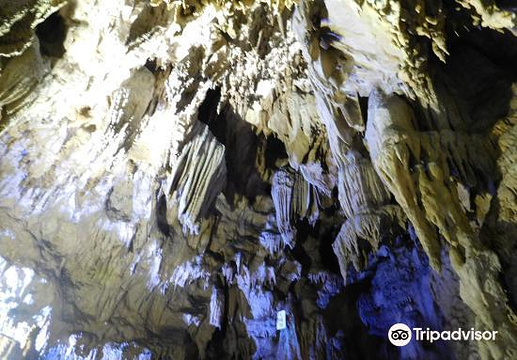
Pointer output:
x,y
298,252
327,255
241,144
509,5
275,149
52,34
151,65
207,112
341,317
161,216
363,105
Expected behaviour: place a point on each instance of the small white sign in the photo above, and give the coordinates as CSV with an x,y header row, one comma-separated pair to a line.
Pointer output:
x,y
280,320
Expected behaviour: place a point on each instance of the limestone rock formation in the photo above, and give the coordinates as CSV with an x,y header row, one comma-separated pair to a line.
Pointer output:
x,y
174,174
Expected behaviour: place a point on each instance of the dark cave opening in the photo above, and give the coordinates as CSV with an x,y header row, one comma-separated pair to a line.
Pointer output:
x,y
151,65
52,34
161,216
298,252
234,133
275,149
363,106
207,112
510,5
327,255
479,70
341,317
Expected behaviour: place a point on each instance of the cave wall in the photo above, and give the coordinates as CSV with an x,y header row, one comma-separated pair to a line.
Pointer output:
x,y
174,173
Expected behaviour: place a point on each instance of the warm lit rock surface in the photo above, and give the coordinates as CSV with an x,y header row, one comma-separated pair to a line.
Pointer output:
x,y
174,173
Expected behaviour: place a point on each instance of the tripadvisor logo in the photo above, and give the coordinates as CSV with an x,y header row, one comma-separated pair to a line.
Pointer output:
x,y
400,335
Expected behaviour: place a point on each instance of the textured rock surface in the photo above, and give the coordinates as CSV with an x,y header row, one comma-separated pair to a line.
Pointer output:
x,y
174,173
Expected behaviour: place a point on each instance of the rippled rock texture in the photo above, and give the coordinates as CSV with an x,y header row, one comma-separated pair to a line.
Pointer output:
x,y
175,173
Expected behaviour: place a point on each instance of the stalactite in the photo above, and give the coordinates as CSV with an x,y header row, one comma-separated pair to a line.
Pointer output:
x,y
200,165
216,308
294,199
424,196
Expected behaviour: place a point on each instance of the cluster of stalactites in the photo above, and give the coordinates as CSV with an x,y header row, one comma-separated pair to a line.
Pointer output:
x,y
365,200
294,199
19,78
197,180
363,196
416,166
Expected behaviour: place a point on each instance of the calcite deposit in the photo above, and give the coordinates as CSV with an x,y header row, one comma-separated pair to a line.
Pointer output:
x,y
175,174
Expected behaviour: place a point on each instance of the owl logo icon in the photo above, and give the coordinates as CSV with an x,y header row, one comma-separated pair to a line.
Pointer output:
x,y
399,334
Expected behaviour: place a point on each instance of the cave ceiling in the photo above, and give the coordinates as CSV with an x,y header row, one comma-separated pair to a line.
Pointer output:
x,y
176,176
